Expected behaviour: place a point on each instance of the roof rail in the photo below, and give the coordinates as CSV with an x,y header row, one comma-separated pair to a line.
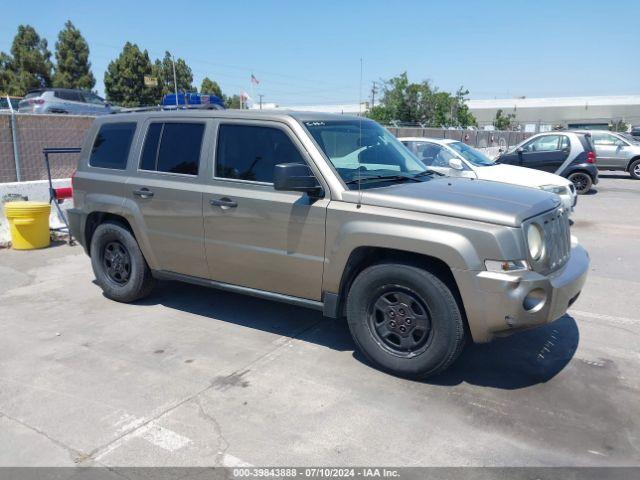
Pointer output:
x,y
138,109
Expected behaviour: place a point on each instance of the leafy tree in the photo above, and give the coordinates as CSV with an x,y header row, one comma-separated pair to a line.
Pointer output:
x,y
502,121
619,126
7,76
124,79
164,71
210,87
73,69
421,102
29,65
231,102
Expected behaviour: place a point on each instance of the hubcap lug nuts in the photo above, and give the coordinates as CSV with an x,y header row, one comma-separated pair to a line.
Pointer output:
x,y
402,329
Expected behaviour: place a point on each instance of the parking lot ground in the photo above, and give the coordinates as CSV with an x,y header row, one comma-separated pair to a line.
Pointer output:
x,y
192,376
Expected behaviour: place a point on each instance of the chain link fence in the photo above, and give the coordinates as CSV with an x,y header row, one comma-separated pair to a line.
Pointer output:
x,y
31,133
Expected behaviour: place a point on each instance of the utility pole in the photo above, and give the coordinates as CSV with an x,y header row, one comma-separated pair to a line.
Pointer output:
x,y
374,90
260,95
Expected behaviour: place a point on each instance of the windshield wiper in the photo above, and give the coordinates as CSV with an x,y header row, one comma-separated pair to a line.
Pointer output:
x,y
382,178
429,172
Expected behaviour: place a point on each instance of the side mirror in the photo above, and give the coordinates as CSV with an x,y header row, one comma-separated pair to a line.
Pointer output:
x,y
296,177
456,164
520,150
620,144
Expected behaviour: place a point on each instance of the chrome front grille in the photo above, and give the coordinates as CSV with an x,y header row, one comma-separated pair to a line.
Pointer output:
x,y
557,240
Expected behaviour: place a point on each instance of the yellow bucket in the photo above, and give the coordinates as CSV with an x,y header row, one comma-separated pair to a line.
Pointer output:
x,y
29,224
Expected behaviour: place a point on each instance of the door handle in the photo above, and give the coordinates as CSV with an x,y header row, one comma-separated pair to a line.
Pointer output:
x,y
223,202
143,193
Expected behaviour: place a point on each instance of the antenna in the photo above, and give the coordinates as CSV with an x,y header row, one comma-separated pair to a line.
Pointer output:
x,y
359,204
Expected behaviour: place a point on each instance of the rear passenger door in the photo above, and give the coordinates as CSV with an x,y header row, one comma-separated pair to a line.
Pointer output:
x,y
255,236
546,152
165,189
610,151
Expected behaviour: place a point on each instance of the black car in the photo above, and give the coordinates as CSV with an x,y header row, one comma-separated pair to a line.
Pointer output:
x,y
568,154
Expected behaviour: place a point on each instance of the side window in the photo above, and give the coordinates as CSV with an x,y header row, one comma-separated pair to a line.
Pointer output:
x,y
604,139
71,96
565,143
546,143
173,147
251,153
111,146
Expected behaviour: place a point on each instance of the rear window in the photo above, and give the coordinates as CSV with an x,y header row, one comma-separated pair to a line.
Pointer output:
x,y
173,148
111,146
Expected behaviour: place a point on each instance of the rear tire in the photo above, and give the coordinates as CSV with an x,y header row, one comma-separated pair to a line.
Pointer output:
x,y
582,181
405,320
118,264
634,170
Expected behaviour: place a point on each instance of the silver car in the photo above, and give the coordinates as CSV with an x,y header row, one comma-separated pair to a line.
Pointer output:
x,y
617,151
63,100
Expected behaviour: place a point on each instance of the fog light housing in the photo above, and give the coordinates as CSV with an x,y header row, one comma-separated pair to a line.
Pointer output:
x,y
535,300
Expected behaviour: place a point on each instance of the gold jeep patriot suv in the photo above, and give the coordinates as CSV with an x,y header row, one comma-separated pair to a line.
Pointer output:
x,y
325,211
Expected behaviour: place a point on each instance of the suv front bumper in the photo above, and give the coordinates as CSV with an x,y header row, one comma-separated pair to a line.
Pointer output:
x,y
499,304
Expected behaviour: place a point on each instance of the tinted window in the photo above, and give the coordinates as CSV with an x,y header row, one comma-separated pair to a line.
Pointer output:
x,y
179,150
111,146
180,146
150,149
67,95
251,153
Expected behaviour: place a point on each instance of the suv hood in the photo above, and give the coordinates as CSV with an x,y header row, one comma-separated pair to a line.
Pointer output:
x,y
480,200
527,177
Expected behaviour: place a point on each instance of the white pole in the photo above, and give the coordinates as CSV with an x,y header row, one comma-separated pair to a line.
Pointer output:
x,y
175,81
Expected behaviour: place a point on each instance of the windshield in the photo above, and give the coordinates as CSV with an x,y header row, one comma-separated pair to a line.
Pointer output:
x,y
362,149
472,155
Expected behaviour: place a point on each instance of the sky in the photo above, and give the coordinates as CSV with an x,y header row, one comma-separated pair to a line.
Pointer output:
x,y
309,52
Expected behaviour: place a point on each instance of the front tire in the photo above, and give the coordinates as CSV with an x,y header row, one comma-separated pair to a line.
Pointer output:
x,y
405,320
582,181
118,264
634,170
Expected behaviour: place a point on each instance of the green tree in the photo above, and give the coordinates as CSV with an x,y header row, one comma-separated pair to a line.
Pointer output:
x,y
164,71
29,65
210,87
124,79
232,101
421,102
619,126
502,121
73,69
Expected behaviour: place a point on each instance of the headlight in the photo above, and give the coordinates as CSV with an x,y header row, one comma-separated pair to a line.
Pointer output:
x,y
535,241
558,190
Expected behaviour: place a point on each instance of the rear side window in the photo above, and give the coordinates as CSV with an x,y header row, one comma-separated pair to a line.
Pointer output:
x,y
69,95
111,146
173,147
251,153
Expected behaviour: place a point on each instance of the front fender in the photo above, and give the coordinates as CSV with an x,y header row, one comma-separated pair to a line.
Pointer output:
x,y
461,244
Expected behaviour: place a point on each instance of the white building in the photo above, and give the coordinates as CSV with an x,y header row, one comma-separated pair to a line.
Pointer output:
x,y
536,114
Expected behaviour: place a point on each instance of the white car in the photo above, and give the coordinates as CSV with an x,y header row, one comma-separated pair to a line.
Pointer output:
x,y
457,159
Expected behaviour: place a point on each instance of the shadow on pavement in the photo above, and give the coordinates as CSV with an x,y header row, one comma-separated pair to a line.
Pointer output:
x,y
521,360
518,361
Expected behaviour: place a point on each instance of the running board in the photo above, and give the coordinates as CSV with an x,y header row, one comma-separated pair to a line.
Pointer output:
x,y
253,292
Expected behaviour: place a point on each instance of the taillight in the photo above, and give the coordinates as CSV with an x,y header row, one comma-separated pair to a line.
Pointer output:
x,y
591,157
35,101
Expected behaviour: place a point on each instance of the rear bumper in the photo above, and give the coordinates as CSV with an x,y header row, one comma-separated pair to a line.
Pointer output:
x,y
77,220
498,304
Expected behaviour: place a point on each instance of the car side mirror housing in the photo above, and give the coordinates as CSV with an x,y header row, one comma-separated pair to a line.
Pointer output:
x,y
520,150
296,177
456,164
